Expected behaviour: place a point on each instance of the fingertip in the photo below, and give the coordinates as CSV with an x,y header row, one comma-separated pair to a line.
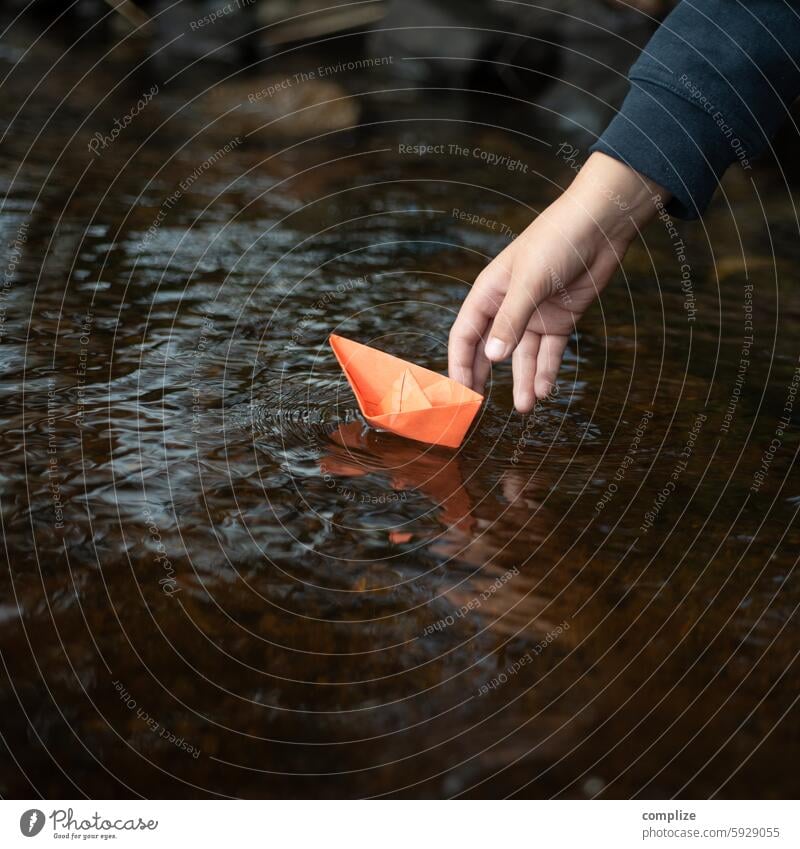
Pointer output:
x,y
523,402
496,349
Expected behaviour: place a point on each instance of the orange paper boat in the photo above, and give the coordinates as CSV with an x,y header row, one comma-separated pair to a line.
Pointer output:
x,y
404,398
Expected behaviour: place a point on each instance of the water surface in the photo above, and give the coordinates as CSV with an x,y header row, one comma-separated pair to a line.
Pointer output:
x,y
218,581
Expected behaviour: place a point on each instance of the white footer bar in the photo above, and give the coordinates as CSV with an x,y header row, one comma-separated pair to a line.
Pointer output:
x,y
401,824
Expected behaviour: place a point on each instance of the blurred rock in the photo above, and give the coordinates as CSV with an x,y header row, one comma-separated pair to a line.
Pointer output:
x,y
281,106
219,31
569,57
288,21
452,42
216,31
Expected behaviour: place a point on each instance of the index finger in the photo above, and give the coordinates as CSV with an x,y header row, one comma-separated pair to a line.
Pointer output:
x,y
473,320
466,336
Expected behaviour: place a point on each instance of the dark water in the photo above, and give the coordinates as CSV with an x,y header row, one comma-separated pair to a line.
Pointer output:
x,y
218,581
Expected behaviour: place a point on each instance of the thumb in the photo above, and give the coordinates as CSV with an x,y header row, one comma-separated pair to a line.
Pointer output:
x,y
523,297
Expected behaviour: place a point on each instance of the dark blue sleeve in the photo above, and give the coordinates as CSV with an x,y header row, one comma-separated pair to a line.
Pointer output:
x,y
711,88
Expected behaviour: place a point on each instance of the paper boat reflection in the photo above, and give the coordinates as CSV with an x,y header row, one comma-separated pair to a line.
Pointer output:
x,y
355,452
404,398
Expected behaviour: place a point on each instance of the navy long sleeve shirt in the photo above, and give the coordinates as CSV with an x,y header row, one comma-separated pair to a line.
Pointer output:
x,y
711,88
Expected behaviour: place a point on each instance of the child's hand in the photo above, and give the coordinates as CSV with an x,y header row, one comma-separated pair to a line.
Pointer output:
x,y
527,300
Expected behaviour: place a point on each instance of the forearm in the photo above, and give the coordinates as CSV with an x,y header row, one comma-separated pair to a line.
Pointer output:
x,y
711,88
618,198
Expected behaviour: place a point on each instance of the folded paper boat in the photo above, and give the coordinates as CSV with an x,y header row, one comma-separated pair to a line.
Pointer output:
x,y
404,398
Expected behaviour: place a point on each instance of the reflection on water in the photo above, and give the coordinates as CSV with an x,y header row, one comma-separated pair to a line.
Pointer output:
x,y
358,451
196,517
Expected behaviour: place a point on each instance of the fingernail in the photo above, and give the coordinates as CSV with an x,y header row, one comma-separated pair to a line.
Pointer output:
x,y
496,349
